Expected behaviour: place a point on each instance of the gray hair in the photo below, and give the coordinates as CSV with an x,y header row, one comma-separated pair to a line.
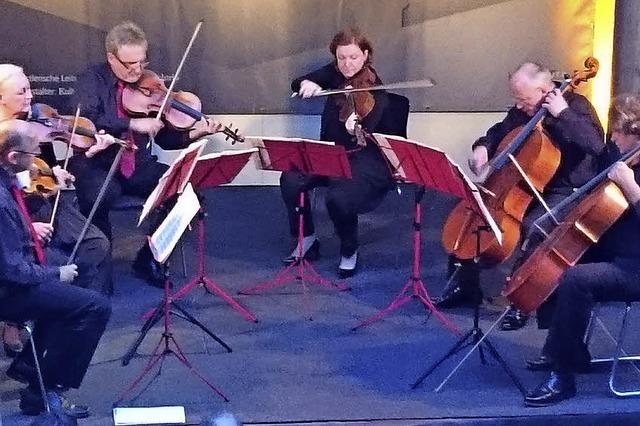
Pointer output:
x,y
122,34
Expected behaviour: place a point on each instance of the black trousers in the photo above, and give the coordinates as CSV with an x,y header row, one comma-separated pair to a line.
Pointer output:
x,y
468,276
94,252
69,322
93,257
345,199
89,180
578,289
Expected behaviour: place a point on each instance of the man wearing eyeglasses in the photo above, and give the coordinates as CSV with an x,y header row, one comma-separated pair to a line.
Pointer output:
x,y
99,92
69,320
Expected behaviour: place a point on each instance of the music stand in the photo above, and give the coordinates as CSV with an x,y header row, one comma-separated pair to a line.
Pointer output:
x,y
173,181
210,171
167,236
432,168
309,157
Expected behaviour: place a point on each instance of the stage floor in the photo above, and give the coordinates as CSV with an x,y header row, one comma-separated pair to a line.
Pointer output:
x,y
288,369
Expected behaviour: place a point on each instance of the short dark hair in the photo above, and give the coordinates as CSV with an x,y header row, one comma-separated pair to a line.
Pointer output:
x,y
13,136
351,35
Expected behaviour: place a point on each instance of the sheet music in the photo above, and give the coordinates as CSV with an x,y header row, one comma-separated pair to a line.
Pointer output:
x,y
164,240
468,191
151,201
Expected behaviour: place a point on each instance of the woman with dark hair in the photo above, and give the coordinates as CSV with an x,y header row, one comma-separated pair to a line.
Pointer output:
x,y
346,198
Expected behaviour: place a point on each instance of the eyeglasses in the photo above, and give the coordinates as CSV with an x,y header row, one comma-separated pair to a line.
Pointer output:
x,y
128,65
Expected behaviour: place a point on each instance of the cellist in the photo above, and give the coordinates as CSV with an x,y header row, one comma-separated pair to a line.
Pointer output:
x,y
575,130
612,272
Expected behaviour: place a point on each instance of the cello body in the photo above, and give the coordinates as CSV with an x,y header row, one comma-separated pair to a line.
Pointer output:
x,y
508,202
536,279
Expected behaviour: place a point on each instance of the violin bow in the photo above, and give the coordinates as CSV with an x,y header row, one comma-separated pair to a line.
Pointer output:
x,y
64,166
179,70
425,82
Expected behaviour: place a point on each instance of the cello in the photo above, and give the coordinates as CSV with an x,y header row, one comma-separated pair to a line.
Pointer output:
x,y
526,158
600,203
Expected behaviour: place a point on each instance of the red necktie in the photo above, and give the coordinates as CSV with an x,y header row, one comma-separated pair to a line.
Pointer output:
x,y
17,194
128,159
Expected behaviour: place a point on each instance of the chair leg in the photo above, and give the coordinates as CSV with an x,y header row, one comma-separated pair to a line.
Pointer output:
x,y
184,261
592,324
29,331
618,357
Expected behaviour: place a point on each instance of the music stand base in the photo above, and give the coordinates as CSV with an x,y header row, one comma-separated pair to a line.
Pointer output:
x,y
478,339
202,280
416,287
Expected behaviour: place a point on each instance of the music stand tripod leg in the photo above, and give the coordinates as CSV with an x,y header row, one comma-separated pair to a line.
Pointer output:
x,y
148,325
194,321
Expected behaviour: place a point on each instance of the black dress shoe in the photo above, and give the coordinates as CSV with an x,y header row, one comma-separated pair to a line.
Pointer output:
x,y
312,253
151,272
22,372
542,363
31,404
556,388
458,297
515,319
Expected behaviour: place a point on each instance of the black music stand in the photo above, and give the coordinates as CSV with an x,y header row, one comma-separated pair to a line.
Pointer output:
x,y
171,183
308,157
432,168
210,171
167,345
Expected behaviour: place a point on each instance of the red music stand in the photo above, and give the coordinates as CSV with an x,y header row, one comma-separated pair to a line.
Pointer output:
x,y
210,171
428,168
167,345
308,157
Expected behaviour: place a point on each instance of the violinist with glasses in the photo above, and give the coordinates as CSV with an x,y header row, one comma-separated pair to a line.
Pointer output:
x,y
69,320
349,126
100,91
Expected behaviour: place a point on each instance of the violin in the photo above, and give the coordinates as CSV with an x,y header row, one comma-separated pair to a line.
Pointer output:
x,y
525,151
47,125
183,109
360,103
43,180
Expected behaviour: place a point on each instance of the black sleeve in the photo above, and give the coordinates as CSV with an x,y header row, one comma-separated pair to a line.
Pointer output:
x,y
17,269
325,77
170,138
92,94
498,131
579,125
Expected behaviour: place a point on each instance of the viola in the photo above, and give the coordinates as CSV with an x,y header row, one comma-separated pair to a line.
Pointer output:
x,y
47,125
183,109
526,157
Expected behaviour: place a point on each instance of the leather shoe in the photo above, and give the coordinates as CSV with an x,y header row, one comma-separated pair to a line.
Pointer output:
x,y
312,253
458,297
515,319
148,269
542,363
22,372
31,404
555,389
